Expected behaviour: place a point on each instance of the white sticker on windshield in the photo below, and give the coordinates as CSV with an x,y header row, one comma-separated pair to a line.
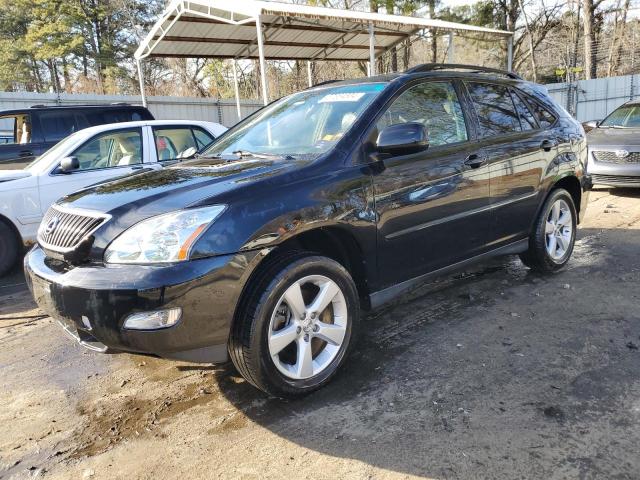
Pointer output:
x,y
342,97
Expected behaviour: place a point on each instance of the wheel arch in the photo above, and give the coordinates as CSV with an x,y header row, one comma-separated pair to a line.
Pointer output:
x,y
333,242
7,221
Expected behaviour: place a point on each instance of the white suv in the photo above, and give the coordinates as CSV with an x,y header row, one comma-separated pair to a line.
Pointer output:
x,y
89,156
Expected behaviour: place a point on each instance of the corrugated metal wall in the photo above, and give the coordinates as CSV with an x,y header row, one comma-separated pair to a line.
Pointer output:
x,y
595,99
163,108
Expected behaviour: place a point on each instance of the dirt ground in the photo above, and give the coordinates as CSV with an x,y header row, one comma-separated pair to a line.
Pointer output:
x,y
492,373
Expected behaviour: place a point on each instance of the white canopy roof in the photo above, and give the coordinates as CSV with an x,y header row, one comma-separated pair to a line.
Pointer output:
x,y
227,29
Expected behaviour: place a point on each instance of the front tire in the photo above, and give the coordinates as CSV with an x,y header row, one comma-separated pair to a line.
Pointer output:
x,y
297,323
9,248
554,234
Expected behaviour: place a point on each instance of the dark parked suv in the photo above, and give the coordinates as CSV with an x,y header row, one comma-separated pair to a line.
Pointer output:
x,y
265,248
29,132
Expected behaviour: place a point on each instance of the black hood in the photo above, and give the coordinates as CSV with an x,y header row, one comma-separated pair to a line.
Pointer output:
x,y
191,183
613,137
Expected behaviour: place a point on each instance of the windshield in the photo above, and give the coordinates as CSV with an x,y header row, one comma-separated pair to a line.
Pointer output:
x,y
54,151
626,117
309,122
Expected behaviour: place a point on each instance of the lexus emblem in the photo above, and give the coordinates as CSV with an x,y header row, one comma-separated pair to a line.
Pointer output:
x,y
51,226
622,153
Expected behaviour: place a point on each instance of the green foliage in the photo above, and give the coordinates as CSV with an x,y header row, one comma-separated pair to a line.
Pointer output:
x,y
49,43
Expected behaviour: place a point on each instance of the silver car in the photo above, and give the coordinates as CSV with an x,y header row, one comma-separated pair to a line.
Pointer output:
x,y
614,148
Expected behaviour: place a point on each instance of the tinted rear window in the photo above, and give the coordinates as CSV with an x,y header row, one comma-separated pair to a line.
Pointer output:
x,y
100,117
57,124
496,113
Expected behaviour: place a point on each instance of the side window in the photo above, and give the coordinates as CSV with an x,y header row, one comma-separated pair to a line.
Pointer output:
x,y
496,112
436,106
111,149
203,138
544,116
15,129
527,120
174,143
57,125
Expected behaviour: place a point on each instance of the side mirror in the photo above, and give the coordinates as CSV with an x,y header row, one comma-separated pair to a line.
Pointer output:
x,y
69,164
590,125
403,138
188,153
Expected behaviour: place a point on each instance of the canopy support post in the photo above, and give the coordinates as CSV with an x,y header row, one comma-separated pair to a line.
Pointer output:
x,y
141,80
372,50
510,53
235,88
263,63
309,77
450,49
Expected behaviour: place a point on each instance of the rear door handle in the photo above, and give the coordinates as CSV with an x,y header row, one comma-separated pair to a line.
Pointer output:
x,y
475,161
25,153
547,145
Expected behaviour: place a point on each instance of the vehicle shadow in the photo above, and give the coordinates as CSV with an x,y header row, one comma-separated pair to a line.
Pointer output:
x,y
14,294
496,372
622,192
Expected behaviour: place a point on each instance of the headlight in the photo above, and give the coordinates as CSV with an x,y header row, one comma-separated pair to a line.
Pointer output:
x,y
162,239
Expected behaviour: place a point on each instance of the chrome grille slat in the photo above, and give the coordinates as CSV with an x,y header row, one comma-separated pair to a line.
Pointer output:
x,y
71,228
74,227
616,179
609,156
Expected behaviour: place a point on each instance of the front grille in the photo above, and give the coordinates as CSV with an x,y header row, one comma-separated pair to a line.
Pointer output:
x,y
611,157
616,180
62,230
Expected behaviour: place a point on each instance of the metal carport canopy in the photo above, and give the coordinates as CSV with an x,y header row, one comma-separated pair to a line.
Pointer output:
x,y
248,29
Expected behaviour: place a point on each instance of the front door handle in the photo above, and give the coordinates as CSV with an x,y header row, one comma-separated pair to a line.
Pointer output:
x,y
25,153
547,145
475,161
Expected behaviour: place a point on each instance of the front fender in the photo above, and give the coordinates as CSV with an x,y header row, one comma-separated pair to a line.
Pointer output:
x,y
263,218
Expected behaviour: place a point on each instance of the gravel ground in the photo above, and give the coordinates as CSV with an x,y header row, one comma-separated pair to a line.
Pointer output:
x,y
495,372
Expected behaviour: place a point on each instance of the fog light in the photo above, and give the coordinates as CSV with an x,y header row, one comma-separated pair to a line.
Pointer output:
x,y
153,320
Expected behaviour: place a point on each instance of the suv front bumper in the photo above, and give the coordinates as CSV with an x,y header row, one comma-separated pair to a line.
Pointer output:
x,y
610,173
92,302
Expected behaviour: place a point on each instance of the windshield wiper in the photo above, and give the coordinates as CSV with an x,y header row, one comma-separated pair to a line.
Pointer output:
x,y
267,156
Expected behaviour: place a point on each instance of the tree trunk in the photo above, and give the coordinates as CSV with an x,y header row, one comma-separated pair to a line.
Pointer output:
x,y
589,38
531,49
434,39
406,53
616,57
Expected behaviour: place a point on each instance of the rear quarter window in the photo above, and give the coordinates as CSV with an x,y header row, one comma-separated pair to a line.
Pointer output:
x,y
545,117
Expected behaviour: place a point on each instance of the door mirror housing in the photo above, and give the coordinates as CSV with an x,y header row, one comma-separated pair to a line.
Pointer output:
x,y
188,153
403,138
69,164
591,124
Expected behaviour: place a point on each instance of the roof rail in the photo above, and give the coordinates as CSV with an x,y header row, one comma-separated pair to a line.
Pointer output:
x,y
83,105
326,82
429,67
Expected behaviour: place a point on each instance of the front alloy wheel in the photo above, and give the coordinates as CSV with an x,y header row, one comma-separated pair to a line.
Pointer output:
x,y
297,323
308,327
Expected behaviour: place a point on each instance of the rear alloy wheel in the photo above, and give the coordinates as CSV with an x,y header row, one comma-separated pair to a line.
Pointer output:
x,y
9,248
552,241
297,326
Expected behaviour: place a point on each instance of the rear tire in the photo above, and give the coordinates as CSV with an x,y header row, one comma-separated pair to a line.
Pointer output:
x,y
554,234
296,325
9,248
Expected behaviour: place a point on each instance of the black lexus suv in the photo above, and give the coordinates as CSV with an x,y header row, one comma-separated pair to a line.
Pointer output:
x,y
335,199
